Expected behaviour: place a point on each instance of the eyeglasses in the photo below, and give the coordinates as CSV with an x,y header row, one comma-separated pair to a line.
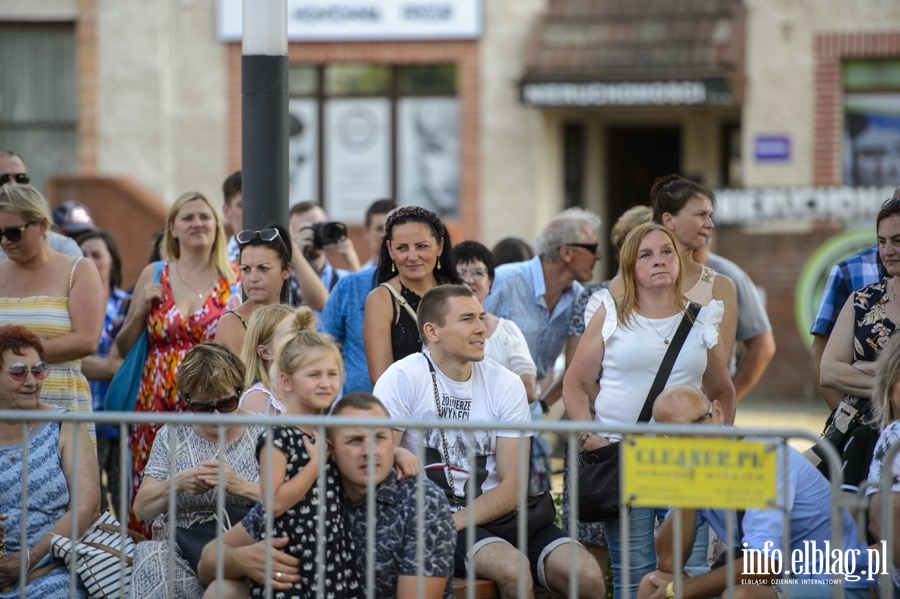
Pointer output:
x,y
19,371
223,406
706,417
890,203
20,178
591,247
476,274
14,234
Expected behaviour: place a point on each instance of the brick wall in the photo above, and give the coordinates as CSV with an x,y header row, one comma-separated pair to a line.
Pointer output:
x,y
775,262
830,50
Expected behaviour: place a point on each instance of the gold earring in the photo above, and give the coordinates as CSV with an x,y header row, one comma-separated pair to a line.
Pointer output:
x,y
393,266
439,263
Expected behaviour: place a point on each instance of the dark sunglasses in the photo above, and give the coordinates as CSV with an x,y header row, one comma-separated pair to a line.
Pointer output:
x,y
20,178
247,235
223,406
19,371
591,247
14,234
890,203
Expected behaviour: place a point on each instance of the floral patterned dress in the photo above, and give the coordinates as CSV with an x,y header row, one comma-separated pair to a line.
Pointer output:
x,y
872,328
171,337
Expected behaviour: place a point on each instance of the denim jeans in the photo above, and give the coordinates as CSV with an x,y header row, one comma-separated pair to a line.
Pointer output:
x,y
642,548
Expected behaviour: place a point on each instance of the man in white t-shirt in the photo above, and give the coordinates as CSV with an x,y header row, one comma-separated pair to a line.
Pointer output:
x,y
452,373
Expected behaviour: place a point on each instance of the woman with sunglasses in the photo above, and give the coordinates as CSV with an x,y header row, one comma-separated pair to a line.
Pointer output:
x,y
59,298
53,450
868,319
180,311
209,381
415,257
264,260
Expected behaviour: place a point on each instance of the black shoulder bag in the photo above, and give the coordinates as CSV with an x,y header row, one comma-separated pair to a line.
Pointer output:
x,y
541,511
599,494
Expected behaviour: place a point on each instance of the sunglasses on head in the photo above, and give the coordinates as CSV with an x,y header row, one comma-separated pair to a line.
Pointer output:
x,y
20,178
14,234
19,371
247,235
223,406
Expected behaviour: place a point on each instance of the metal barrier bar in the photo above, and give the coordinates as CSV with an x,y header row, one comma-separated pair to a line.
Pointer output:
x,y
569,429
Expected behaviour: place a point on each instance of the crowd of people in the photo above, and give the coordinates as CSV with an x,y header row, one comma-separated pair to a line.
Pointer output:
x,y
261,322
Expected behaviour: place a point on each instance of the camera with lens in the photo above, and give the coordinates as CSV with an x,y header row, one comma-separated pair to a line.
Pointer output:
x,y
328,233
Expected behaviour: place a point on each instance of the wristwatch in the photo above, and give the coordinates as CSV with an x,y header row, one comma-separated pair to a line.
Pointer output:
x,y
670,590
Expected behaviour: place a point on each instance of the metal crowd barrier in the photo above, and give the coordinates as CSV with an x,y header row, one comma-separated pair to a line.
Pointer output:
x,y
567,430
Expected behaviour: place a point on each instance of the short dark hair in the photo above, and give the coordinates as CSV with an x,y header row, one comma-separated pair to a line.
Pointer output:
x,y
379,207
232,186
434,305
304,207
471,251
359,400
672,192
511,249
16,338
115,276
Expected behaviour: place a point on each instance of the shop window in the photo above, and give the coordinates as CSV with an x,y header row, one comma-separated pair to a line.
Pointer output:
x,y
372,131
38,96
871,122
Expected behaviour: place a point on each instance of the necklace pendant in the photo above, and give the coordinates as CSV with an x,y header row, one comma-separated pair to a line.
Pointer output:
x,y
665,342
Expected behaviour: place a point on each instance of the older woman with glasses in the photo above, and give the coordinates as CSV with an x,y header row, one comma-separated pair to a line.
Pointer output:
x,y
209,380
50,450
504,342
59,298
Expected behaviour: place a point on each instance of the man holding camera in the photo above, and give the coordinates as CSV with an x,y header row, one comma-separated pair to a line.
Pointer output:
x,y
316,236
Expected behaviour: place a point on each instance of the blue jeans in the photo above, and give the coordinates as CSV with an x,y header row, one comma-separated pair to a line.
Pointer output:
x,y
642,548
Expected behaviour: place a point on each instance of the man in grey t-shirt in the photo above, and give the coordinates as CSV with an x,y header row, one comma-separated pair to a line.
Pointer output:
x,y
753,327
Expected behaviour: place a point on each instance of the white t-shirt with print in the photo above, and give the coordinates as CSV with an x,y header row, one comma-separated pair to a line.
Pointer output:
x,y
492,394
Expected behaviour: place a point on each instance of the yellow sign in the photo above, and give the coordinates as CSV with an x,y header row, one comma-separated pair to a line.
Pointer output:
x,y
698,473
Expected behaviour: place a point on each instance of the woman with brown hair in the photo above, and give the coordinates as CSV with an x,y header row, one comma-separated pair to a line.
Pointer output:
x,y
415,258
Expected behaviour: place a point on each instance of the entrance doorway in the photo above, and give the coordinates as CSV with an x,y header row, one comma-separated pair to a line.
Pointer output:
x,y
637,156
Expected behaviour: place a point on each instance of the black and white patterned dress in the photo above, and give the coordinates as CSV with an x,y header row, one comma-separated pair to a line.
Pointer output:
x,y
300,525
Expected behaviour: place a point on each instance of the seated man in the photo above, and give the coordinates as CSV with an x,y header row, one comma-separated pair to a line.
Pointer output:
x,y
397,516
808,516
453,372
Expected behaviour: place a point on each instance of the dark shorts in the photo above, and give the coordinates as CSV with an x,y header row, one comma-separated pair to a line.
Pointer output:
x,y
537,551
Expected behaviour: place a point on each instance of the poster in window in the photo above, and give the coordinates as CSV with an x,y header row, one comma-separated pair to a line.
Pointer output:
x,y
428,149
872,139
303,169
357,156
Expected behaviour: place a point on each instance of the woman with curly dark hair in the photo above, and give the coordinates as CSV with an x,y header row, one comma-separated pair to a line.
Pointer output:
x,y
414,258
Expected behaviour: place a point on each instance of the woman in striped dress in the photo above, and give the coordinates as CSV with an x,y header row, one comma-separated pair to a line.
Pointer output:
x,y
59,298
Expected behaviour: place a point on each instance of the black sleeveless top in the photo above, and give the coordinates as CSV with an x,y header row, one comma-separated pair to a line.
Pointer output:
x,y
404,331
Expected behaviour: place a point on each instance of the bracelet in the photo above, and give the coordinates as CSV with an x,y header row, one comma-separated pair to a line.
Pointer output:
x,y
670,590
584,437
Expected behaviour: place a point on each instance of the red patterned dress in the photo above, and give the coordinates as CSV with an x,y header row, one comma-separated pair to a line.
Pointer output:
x,y
171,336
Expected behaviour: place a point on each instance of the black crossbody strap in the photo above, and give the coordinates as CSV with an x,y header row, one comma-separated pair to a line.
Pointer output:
x,y
665,369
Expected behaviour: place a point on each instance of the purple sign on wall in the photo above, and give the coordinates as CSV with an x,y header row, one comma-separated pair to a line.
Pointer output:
x,y
772,147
